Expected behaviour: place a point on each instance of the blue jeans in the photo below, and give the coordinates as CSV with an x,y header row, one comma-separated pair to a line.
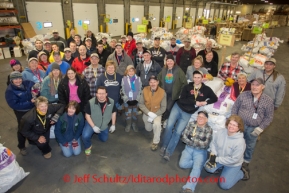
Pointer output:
x,y
88,132
250,143
179,119
195,159
229,177
68,151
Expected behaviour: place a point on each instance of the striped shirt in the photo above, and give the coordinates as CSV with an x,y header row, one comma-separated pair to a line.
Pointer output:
x,y
91,76
197,137
245,107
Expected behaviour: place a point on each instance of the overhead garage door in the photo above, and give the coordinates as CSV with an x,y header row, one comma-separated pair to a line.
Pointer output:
x,y
116,24
136,15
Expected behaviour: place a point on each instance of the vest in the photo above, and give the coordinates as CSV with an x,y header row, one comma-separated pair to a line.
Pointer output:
x,y
153,100
99,119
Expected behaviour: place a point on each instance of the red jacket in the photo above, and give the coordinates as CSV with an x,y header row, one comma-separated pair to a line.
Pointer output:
x,y
129,47
79,65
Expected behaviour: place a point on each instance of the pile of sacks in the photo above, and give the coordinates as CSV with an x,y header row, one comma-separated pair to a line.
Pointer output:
x,y
10,172
29,43
225,30
161,32
99,36
220,110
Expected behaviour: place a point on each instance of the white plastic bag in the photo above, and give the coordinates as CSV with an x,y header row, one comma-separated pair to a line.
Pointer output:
x,y
216,84
10,172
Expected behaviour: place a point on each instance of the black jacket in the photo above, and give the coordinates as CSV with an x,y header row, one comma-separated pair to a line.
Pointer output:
x,y
133,56
154,70
212,67
215,55
187,99
103,56
30,125
83,91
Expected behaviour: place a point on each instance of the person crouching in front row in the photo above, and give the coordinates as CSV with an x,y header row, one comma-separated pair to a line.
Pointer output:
x,y
69,128
153,103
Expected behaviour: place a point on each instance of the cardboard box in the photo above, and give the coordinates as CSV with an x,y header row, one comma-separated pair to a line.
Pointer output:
x,y
6,52
1,54
28,30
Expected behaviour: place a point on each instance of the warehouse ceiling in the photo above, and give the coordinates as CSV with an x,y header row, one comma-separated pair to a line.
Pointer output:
x,y
263,1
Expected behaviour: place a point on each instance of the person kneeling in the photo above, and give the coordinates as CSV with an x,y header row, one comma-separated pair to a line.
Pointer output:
x,y
227,151
197,136
98,113
35,124
69,128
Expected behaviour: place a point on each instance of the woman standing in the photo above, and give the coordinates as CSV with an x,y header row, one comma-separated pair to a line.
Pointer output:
x,y
73,87
32,73
172,80
112,81
68,130
49,88
240,86
131,90
19,98
197,65
43,62
227,151
16,66
210,64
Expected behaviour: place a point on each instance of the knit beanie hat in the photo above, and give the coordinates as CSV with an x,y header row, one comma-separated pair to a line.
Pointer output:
x,y
14,62
15,75
170,56
54,66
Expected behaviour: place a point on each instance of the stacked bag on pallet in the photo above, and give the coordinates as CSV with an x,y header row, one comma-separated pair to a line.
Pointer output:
x,y
29,43
10,172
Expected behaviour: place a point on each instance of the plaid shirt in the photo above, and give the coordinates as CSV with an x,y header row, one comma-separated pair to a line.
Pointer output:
x,y
91,79
244,107
225,72
202,138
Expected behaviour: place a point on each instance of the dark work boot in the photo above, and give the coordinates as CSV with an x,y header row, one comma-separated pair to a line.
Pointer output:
x,y
246,171
128,125
134,127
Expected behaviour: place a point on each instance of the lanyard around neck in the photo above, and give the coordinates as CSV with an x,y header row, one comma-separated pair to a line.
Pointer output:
x,y
42,122
108,78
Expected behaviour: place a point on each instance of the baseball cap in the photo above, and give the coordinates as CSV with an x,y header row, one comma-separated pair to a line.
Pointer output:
x,y
147,51
204,112
67,50
273,60
88,39
153,77
94,55
259,80
118,44
32,59
47,42
55,31
174,37
139,42
187,40
123,36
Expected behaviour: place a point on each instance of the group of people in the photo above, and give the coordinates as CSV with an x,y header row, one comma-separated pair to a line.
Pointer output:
x,y
82,90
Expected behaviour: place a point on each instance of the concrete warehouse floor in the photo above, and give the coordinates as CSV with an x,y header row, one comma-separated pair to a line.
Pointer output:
x,y
126,154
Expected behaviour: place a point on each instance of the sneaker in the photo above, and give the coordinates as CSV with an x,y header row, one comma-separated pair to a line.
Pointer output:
x,y
162,151
47,156
186,191
167,156
23,152
88,151
154,147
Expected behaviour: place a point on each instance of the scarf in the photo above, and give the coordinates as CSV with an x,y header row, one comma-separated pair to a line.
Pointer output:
x,y
53,87
132,81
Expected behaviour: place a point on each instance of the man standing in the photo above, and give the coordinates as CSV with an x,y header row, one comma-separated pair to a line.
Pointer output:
x,y
197,137
62,64
137,54
98,113
185,55
173,49
92,73
257,110
102,53
130,44
78,41
148,68
73,49
38,48
67,56
275,84
121,59
158,53
89,48
208,49
231,69
82,61
71,38
61,42
48,47
104,42
153,103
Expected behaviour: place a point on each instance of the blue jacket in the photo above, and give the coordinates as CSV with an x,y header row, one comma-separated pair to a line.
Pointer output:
x,y
19,99
63,68
27,74
68,128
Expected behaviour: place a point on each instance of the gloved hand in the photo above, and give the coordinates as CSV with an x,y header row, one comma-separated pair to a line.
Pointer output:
x,y
229,82
152,115
74,143
150,120
209,77
65,144
96,129
55,118
257,131
112,128
212,162
132,103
